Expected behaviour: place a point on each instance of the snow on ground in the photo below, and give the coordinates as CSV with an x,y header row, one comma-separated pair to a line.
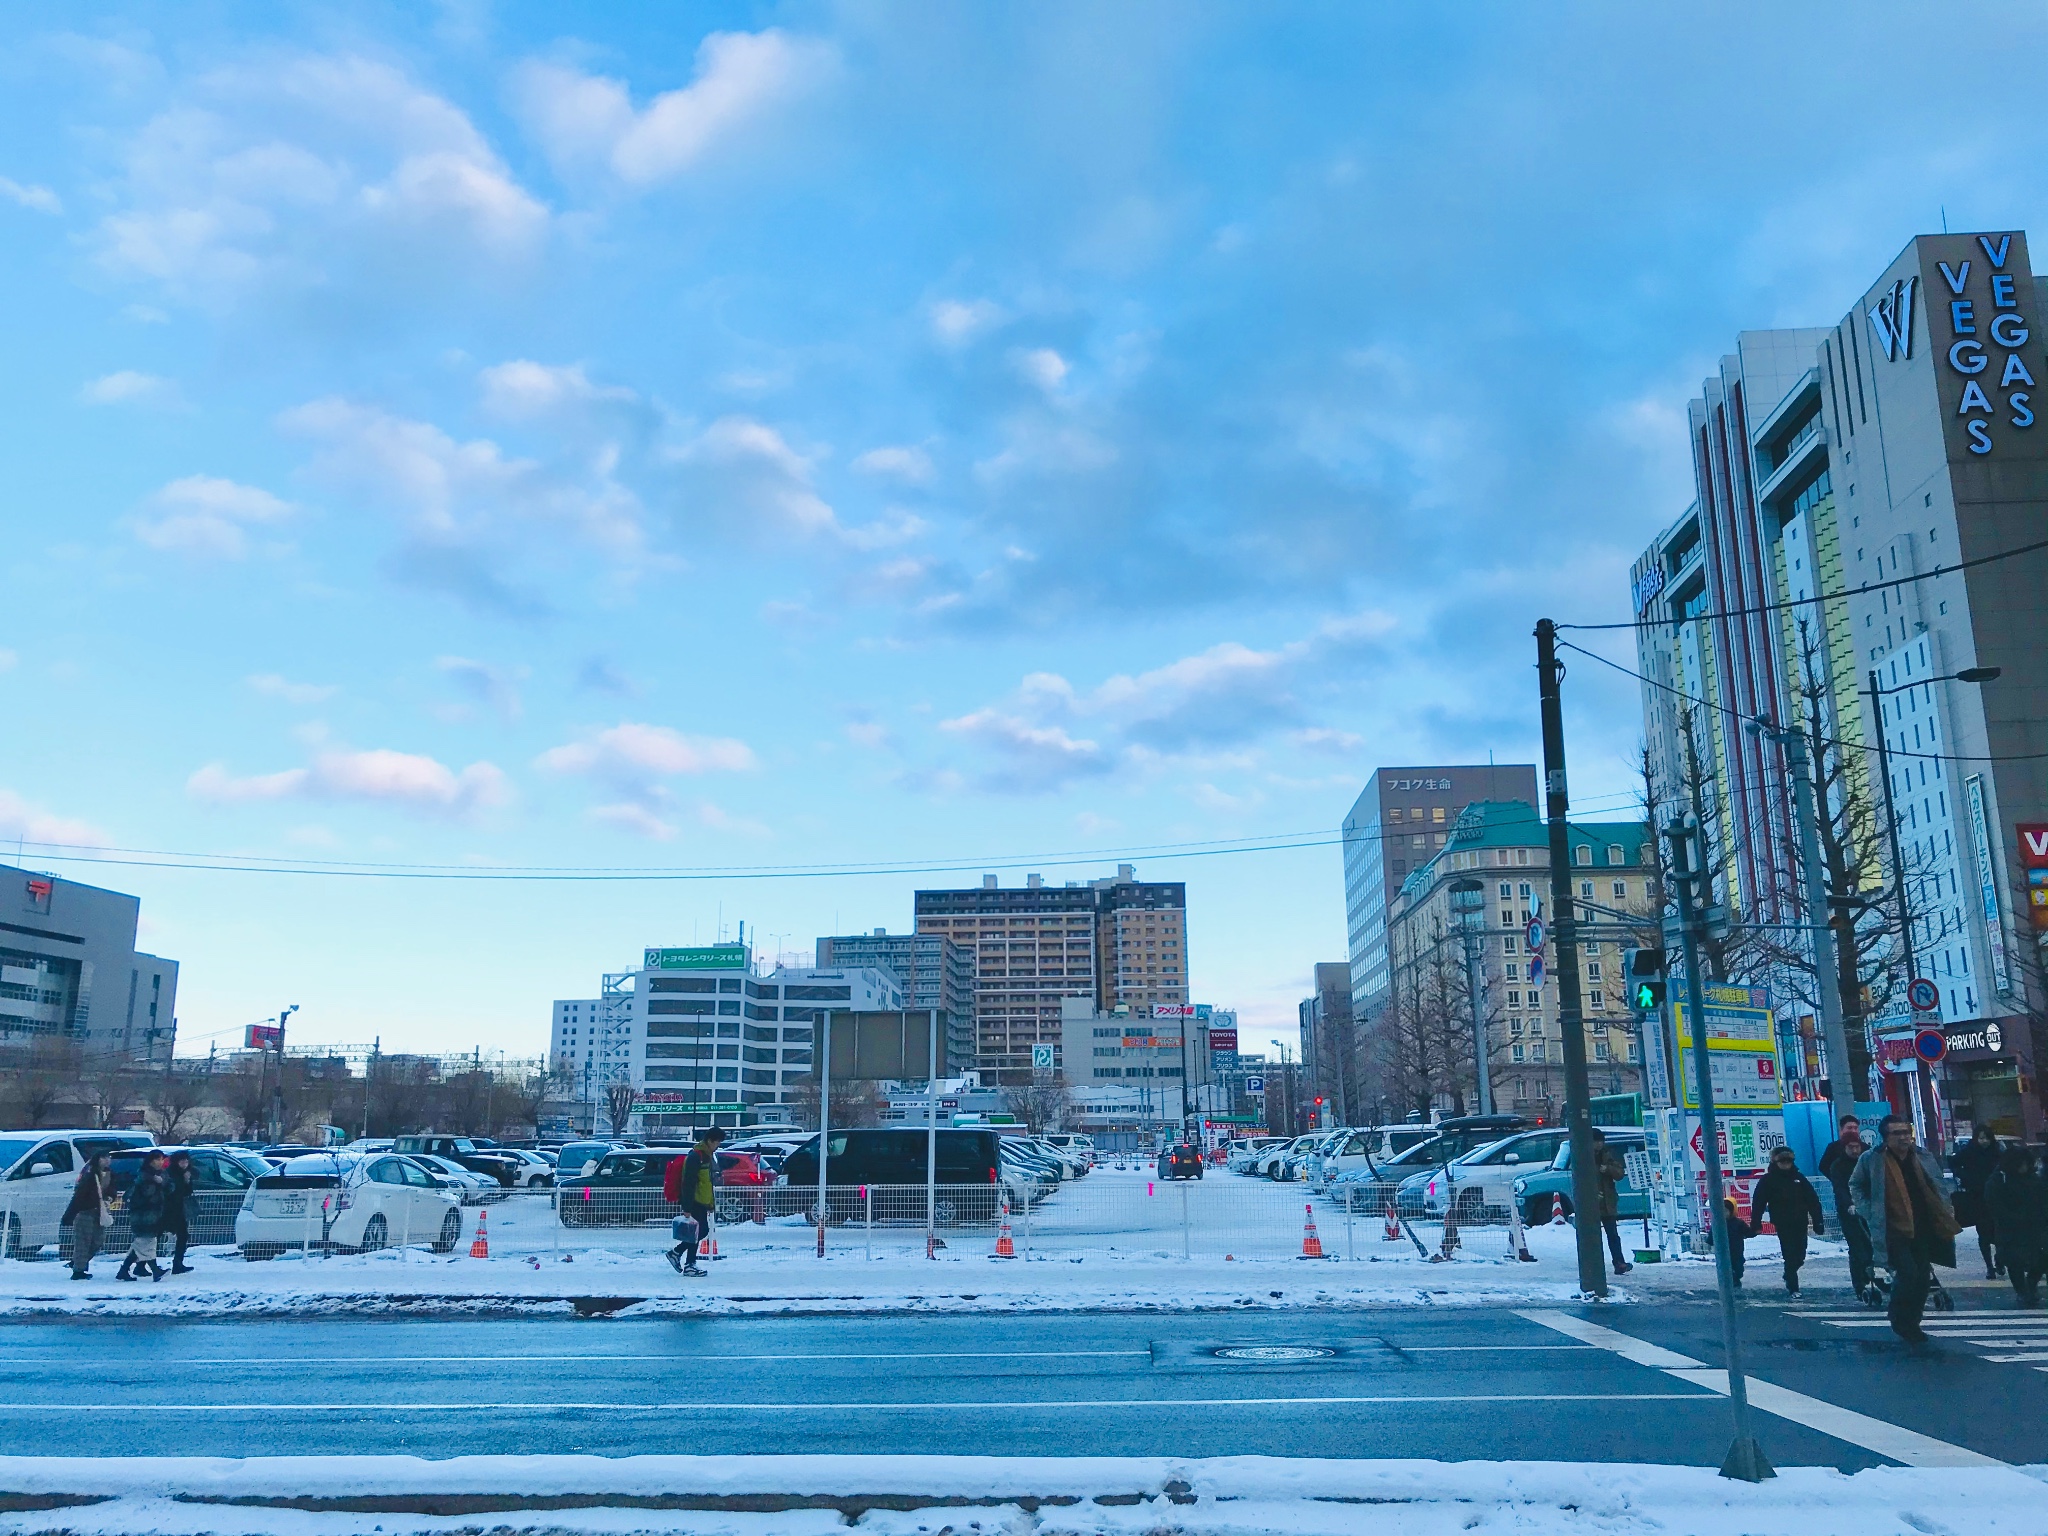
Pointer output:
x,y
991,1496
1114,1240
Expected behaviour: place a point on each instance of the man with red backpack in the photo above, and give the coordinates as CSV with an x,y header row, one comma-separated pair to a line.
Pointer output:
x,y
691,1182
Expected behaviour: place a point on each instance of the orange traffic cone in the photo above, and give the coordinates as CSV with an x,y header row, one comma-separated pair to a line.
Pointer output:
x,y
1391,1232
710,1248
1557,1210
481,1248
1005,1247
1311,1245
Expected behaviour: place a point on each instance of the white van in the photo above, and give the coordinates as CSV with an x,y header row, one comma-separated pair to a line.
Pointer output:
x,y
1080,1147
38,1172
1363,1148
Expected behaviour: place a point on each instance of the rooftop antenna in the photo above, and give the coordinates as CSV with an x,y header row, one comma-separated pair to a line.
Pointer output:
x,y
1944,218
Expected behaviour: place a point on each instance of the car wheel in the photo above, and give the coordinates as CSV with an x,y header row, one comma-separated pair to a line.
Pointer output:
x,y
376,1235
1198,1173
945,1213
730,1212
451,1233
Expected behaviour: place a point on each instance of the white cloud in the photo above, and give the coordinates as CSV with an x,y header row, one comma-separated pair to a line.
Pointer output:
x,y
1034,758
912,466
204,515
630,751
496,686
21,821
1044,367
272,685
8,659
741,78
125,386
522,389
38,199
955,322
378,776
628,816
750,468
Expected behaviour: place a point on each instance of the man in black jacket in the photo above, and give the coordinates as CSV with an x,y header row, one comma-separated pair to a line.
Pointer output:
x,y
1790,1203
1973,1163
1836,1164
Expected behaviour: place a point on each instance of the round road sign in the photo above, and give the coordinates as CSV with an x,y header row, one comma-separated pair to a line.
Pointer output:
x,y
1922,995
1930,1044
1534,934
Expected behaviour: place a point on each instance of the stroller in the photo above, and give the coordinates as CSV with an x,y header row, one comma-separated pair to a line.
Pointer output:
x,y
1878,1294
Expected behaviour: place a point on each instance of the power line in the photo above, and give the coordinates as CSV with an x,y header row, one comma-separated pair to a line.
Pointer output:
x,y
1824,597
1827,741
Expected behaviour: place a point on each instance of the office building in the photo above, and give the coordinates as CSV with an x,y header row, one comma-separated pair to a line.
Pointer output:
x,y
1422,1047
934,972
70,971
1842,474
1117,942
1331,1064
1396,825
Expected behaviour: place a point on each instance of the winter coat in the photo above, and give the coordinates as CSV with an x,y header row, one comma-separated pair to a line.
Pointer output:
x,y
90,1197
1836,1164
177,1199
1787,1199
1974,1162
1867,1189
700,1170
146,1201
2017,1198
1608,1165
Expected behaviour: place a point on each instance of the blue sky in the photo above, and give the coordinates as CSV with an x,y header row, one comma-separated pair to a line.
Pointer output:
x,y
796,435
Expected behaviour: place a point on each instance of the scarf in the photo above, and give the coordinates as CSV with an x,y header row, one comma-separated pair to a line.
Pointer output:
x,y
1905,1188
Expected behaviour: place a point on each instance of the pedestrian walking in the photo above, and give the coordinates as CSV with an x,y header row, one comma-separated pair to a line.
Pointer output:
x,y
1608,1164
692,1184
1897,1190
87,1215
1836,1164
178,1198
1787,1199
1973,1163
2017,1198
1738,1231
147,1197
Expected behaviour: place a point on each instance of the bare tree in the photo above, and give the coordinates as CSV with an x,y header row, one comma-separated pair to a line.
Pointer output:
x,y
44,1080
855,1102
619,1098
173,1098
1042,1103
106,1085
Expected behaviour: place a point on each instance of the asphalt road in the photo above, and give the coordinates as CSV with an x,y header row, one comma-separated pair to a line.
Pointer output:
x,y
1457,1383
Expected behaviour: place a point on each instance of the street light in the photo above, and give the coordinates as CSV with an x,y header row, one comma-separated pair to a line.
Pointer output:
x,y
1877,693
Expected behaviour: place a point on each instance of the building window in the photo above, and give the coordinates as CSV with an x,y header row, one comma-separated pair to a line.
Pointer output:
x,y
1536,1051
1518,1051
1614,855
1600,1048
1514,998
1620,889
1593,970
1583,854
1507,891
1512,972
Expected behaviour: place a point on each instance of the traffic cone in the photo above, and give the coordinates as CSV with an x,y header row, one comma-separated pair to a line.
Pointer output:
x,y
710,1248
1311,1245
481,1247
1005,1247
1557,1210
1391,1233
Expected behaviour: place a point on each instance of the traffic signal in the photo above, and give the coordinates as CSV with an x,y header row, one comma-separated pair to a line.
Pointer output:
x,y
1646,980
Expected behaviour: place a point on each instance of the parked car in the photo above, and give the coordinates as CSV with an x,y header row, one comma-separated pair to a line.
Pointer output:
x,y
533,1172
1082,1147
472,1188
1483,1181
221,1176
1533,1191
1244,1152
462,1151
1296,1164
580,1158
1180,1161
624,1189
40,1170
369,1144
351,1201
974,1167
1272,1163
1362,1149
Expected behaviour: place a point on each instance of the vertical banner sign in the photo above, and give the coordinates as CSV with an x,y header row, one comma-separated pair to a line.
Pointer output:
x,y
1987,885
2033,837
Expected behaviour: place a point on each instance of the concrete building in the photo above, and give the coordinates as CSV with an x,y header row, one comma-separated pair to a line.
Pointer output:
x,y
934,971
1396,825
70,971
1842,473
1423,1043
1162,1062
1331,1064
574,1040
1116,942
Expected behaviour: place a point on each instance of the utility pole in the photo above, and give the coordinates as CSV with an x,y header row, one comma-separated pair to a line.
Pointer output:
x,y
1745,1458
369,1078
277,1089
1827,977
1578,1108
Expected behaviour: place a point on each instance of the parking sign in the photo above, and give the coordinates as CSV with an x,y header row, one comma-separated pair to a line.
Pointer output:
x,y
1255,1085
1041,1058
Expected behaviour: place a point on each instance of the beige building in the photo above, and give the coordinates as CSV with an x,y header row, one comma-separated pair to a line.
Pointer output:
x,y
1423,1043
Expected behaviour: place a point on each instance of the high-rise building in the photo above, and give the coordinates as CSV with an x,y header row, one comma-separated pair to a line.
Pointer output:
x,y
1397,825
1119,941
934,971
1330,1058
70,971
1856,486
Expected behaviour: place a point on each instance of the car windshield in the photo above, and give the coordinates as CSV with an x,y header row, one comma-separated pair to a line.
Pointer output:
x,y
13,1149
320,1162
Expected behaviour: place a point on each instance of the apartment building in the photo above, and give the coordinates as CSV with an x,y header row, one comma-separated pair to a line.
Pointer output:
x,y
935,972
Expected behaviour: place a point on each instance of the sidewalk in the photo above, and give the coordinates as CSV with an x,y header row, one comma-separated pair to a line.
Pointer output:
x,y
1044,1496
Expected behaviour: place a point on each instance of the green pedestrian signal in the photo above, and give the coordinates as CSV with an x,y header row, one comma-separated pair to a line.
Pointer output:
x,y
1647,997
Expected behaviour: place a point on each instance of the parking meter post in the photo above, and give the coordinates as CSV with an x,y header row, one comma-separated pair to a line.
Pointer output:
x,y
1746,1458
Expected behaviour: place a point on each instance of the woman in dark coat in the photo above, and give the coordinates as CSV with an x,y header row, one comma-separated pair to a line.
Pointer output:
x,y
146,1200
2016,1196
1787,1199
87,1215
178,1209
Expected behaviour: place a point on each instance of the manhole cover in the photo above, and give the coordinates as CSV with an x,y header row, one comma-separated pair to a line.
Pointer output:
x,y
1270,1352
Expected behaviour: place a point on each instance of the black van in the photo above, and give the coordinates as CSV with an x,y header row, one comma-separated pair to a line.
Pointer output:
x,y
892,1162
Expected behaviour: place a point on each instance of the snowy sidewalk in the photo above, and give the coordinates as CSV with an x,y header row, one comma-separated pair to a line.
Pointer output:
x,y
897,1496
779,1272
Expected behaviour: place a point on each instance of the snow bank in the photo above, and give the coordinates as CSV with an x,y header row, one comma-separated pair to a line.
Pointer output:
x,y
1049,1496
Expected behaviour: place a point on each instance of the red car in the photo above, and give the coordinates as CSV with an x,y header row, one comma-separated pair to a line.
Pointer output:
x,y
742,1170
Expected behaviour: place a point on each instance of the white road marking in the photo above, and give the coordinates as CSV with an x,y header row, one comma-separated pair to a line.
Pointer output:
x,y
973,1354
839,1407
1892,1440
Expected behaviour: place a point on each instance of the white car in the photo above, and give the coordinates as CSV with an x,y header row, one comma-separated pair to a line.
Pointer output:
x,y
473,1188
533,1172
1272,1163
355,1202
1066,1156
38,1172
1082,1147
1243,1155
1361,1150
1484,1180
